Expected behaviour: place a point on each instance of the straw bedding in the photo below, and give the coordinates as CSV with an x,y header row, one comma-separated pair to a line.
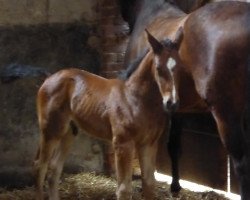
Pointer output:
x,y
88,186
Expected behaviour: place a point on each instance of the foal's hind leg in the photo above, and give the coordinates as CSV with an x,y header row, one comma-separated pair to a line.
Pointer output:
x,y
53,126
147,159
41,165
56,164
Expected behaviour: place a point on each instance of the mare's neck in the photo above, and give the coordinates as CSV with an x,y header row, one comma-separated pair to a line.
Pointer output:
x,y
150,10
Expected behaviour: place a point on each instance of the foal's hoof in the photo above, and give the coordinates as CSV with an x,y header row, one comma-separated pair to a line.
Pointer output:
x,y
175,188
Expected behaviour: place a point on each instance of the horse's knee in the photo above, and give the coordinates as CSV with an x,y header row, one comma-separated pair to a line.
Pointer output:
x,y
124,192
124,152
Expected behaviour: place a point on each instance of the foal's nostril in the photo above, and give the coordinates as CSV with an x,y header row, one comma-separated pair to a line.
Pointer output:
x,y
169,105
175,106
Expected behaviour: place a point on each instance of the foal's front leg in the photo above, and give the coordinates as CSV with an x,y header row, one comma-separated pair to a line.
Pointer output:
x,y
147,159
124,151
174,150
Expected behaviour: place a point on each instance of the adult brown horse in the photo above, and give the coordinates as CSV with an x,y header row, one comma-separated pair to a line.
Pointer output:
x,y
191,5
127,112
213,75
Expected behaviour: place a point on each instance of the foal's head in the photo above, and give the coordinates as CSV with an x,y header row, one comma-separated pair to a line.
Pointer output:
x,y
165,61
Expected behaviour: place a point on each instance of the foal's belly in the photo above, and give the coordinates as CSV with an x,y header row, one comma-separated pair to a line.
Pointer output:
x,y
94,126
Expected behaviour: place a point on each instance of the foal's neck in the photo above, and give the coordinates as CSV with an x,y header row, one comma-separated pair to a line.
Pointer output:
x,y
142,78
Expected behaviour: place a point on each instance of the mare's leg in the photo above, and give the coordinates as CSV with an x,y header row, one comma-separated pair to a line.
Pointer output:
x,y
124,148
174,150
147,159
232,135
56,164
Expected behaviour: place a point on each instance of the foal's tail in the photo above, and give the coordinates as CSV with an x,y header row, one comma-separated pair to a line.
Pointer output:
x,y
15,71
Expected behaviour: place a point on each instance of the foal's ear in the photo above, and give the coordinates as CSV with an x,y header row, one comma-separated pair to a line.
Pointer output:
x,y
178,37
154,43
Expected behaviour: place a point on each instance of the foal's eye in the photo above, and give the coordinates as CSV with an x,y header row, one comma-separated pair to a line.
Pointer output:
x,y
171,63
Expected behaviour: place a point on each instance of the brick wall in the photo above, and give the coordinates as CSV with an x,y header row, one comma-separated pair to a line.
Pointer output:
x,y
114,34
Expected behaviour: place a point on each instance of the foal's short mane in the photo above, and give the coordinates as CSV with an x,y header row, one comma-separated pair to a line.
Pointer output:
x,y
124,75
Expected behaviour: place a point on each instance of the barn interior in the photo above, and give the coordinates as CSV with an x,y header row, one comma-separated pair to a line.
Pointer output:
x,y
39,37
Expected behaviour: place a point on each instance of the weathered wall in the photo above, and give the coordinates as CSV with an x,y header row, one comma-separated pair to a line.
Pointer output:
x,y
48,35
115,37
28,12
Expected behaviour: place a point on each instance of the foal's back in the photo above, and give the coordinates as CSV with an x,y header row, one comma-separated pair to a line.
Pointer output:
x,y
79,96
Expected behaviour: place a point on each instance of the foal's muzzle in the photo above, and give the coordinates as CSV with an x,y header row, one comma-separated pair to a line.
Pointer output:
x,y
170,105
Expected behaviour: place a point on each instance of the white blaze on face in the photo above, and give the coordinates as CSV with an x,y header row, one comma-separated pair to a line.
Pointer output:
x,y
166,99
171,63
157,60
173,96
